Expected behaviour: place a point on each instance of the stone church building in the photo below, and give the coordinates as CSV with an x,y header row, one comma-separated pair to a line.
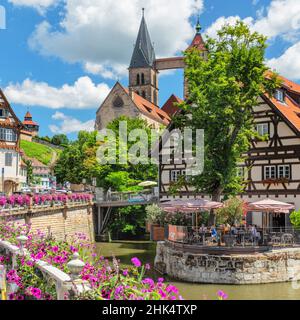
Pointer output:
x,y
141,98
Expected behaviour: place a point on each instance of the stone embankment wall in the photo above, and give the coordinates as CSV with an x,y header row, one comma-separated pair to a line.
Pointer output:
x,y
279,265
60,221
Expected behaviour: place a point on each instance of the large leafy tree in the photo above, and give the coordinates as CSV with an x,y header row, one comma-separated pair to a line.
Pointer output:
x,y
223,88
79,161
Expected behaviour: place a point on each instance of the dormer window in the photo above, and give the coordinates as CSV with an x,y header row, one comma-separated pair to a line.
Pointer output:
x,y
279,95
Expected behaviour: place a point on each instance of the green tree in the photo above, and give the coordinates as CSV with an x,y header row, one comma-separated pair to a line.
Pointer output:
x,y
29,168
232,212
60,140
295,218
223,89
79,161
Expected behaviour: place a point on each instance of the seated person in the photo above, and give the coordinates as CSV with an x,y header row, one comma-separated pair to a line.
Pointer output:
x,y
233,230
214,233
254,233
202,229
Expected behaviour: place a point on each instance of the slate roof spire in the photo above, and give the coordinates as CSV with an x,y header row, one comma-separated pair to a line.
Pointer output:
x,y
143,54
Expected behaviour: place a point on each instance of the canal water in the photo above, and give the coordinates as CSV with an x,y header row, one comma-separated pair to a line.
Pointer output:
x,y
145,251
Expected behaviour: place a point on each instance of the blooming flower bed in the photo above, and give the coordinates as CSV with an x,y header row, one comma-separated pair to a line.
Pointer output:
x,y
107,280
15,201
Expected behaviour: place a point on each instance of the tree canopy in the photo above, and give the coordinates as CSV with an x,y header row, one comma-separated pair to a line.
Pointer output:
x,y
224,86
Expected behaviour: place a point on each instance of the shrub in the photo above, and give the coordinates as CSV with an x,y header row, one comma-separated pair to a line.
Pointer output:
x,y
231,213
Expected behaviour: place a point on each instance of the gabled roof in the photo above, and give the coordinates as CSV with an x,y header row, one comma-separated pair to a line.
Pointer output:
x,y
197,43
144,106
28,115
143,54
4,103
170,105
149,109
286,83
289,110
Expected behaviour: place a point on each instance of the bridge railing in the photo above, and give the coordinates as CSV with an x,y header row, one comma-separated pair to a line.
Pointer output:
x,y
128,196
64,283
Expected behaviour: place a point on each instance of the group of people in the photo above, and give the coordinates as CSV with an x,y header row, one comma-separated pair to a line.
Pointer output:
x,y
238,232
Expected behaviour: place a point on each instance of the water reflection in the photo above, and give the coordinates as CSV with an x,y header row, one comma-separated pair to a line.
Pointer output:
x,y
145,251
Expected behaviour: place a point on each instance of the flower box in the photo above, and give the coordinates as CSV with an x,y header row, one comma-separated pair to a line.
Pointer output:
x,y
157,233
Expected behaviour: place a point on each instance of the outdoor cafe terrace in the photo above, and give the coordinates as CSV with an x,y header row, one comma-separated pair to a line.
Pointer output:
x,y
228,239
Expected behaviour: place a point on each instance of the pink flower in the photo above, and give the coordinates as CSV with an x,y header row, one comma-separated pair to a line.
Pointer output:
x,y
222,295
55,249
35,292
136,262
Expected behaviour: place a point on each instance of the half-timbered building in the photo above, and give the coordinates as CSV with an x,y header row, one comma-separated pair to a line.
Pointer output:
x,y
272,166
13,171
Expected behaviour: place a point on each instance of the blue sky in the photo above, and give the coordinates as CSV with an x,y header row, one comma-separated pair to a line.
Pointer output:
x,y
59,58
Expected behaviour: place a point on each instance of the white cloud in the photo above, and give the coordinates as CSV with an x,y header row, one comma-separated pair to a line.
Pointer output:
x,y
280,19
220,22
83,94
70,125
108,72
289,63
40,5
102,32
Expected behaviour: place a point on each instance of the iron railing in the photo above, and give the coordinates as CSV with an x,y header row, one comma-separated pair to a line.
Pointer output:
x,y
243,237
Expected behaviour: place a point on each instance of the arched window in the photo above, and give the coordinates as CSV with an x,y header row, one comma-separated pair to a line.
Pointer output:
x,y
137,79
144,94
118,102
143,78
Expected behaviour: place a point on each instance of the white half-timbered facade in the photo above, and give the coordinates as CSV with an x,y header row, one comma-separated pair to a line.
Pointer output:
x,y
272,167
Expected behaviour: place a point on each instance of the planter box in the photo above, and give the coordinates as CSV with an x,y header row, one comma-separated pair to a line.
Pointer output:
x,y
157,233
148,227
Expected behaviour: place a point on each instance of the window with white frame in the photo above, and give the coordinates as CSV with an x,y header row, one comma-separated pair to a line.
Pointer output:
x,y
175,174
270,172
8,159
262,129
8,135
284,171
279,95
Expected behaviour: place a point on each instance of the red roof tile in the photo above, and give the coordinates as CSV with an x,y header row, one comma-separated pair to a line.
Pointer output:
x,y
197,43
28,115
149,109
170,106
30,122
290,110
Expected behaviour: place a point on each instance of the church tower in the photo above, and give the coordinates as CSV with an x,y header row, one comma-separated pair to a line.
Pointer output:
x,y
198,44
143,77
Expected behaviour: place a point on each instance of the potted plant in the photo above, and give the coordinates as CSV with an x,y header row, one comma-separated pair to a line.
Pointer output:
x,y
155,222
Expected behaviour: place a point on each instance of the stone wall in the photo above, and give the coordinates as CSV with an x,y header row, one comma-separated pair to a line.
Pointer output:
x,y
62,221
279,265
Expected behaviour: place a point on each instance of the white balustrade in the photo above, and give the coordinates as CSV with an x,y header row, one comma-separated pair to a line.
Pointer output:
x,y
64,283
